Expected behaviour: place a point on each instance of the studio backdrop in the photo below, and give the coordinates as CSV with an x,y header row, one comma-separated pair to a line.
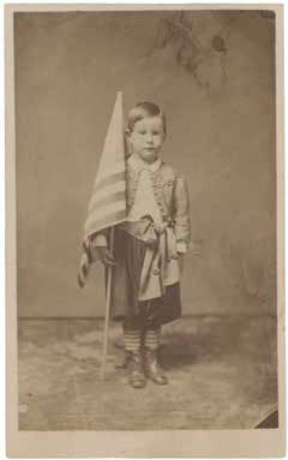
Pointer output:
x,y
213,75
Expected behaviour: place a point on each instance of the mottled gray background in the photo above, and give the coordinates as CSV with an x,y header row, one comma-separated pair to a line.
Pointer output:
x,y
213,73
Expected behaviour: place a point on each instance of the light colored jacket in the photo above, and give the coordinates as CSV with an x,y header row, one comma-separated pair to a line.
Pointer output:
x,y
171,194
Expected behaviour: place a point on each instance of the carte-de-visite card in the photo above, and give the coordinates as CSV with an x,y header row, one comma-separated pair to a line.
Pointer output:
x,y
145,244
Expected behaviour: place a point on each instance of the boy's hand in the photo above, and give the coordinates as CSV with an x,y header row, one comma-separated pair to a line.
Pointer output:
x,y
106,256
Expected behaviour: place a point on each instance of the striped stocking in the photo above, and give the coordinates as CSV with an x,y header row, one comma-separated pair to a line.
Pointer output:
x,y
132,340
152,339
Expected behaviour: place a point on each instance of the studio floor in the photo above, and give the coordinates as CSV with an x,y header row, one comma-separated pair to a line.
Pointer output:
x,y
221,369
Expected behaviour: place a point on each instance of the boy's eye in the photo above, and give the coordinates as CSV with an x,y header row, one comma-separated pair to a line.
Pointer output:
x,y
153,133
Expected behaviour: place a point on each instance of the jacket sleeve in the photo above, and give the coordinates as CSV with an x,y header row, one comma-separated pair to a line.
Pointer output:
x,y
182,213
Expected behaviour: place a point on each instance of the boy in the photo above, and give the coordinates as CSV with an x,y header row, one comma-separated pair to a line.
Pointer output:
x,y
149,247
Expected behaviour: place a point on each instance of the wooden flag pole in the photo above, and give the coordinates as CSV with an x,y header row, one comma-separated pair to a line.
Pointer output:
x,y
107,308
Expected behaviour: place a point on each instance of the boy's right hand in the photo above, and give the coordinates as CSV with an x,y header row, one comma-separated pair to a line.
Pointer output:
x,y
106,256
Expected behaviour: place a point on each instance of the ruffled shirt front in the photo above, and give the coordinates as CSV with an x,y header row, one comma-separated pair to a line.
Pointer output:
x,y
145,202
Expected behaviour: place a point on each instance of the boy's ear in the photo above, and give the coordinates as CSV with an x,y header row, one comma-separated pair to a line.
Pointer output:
x,y
127,132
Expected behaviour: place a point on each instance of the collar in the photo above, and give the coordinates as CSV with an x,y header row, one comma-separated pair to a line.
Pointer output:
x,y
138,164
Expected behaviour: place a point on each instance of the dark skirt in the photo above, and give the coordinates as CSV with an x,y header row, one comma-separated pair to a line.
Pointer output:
x,y
129,254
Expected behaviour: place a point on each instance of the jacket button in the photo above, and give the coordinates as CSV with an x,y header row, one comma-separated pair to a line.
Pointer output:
x,y
156,271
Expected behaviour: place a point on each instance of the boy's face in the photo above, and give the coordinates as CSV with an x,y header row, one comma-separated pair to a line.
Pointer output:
x,y
147,138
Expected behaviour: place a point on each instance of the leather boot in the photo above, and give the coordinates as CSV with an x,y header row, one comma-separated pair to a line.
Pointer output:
x,y
153,369
137,377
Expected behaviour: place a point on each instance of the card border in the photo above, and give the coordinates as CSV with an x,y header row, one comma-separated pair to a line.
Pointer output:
x,y
166,443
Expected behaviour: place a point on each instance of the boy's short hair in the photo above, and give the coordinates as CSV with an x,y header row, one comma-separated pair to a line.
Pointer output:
x,y
143,110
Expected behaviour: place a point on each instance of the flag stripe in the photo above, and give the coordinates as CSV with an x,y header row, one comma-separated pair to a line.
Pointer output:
x,y
108,200
108,221
112,179
106,191
117,168
100,212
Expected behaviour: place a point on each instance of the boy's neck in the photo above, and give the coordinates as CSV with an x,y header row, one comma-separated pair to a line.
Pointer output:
x,y
142,162
139,163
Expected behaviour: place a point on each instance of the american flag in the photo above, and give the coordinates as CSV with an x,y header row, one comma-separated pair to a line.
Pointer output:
x,y
107,205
